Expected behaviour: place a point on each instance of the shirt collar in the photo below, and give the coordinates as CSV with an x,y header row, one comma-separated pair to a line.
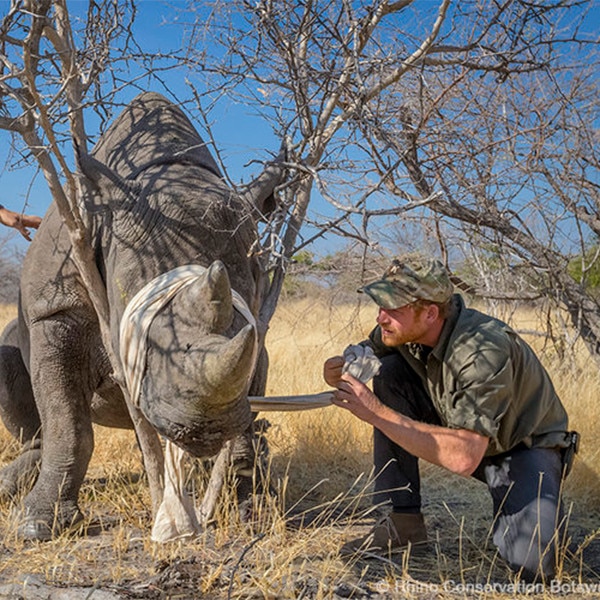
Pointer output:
x,y
439,350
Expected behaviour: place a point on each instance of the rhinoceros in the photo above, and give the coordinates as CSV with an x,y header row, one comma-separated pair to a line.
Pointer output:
x,y
158,202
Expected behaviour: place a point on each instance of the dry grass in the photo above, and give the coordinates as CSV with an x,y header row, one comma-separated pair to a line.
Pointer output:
x,y
319,466
8,312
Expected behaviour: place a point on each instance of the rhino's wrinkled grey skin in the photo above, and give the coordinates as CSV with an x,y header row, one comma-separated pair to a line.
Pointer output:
x,y
160,203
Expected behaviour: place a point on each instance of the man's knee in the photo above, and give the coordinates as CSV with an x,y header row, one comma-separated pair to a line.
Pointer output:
x,y
528,528
529,540
398,386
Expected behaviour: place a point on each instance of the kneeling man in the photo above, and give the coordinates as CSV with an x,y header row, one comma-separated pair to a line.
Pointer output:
x,y
462,390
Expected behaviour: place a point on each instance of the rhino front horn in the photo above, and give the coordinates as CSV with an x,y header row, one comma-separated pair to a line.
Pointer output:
x,y
228,370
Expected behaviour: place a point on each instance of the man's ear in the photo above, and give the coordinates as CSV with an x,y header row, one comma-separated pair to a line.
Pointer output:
x,y
433,312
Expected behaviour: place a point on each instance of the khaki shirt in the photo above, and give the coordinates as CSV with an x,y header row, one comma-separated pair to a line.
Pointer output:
x,y
483,377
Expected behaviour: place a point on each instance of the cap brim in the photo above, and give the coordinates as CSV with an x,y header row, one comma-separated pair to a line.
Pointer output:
x,y
387,295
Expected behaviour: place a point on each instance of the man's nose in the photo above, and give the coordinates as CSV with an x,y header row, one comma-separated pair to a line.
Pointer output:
x,y
382,316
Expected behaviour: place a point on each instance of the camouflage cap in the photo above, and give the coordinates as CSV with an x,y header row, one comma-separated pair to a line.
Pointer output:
x,y
410,278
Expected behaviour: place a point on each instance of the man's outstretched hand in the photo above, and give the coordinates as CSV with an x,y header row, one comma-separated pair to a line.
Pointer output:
x,y
355,396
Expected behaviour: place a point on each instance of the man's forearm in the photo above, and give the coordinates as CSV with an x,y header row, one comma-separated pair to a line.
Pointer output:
x,y
458,450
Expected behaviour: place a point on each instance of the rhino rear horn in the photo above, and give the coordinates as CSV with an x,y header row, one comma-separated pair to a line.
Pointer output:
x,y
212,295
228,370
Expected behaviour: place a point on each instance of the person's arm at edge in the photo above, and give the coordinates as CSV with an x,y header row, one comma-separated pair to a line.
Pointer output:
x,y
19,221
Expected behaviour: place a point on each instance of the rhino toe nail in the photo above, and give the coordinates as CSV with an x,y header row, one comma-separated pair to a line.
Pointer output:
x,y
42,530
32,529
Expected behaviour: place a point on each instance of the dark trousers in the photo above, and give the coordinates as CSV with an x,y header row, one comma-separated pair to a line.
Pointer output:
x,y
524,483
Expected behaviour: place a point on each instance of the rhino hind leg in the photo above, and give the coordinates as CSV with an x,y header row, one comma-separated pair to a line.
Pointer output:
x,y
20,417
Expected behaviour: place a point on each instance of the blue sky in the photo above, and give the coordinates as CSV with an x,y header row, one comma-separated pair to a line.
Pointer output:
x,y
158,28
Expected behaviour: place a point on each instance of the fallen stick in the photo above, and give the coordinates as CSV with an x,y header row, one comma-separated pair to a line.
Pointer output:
x,y
289,403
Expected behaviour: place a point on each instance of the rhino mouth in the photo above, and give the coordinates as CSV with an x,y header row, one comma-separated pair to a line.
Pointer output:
x,y
202,403
203,435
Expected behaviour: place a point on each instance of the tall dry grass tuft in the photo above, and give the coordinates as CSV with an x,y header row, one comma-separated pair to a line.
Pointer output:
x,y
8,312
319,469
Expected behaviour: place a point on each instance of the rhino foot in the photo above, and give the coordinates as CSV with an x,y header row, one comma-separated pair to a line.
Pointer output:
x,y
252,473
19,476
43,527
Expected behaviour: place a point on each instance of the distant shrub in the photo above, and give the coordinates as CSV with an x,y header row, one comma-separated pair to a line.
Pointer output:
x,y
585,268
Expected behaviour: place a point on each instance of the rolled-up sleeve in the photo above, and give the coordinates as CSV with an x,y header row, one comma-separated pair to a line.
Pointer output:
x,y
481,392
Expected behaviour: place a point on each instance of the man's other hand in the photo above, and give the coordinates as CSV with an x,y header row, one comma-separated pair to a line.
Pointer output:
x,y
332,370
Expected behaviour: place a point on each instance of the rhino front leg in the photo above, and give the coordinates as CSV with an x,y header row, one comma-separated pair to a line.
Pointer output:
x,y
20,417
63,390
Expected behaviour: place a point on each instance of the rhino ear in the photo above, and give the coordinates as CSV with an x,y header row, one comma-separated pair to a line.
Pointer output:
x,y
212,295
262,191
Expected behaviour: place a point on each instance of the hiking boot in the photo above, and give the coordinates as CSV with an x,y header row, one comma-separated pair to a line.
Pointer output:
x,y
396,532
